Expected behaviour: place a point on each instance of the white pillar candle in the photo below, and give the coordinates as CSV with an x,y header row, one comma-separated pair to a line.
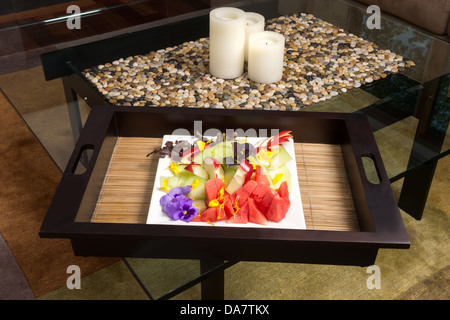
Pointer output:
x,y
254,22
265,56
226,42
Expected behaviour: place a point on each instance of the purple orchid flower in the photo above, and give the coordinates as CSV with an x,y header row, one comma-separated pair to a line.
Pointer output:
x,y
177,206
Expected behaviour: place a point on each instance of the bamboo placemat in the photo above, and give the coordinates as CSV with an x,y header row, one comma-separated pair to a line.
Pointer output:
x,y
127,188
326,195
325,190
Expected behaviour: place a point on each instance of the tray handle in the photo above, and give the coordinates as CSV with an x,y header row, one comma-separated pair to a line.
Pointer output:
x,y
366,153
376,191
77,174
86,151
371,168
83,159
66,201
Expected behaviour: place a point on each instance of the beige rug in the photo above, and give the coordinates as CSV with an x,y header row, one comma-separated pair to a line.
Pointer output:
x,y
29,179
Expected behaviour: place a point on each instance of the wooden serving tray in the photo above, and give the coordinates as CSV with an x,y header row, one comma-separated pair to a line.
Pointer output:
x,y
326,195
103,210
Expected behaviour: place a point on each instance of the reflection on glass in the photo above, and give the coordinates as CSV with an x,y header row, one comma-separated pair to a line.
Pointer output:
x,y
161,276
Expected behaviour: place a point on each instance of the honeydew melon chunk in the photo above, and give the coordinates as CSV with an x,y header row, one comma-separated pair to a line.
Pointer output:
x,y
206,153
253,159
282,171
200,205
280,175
264,157
229,172
271,160
177,168
279,158
197,170
219,152
183,180
223,150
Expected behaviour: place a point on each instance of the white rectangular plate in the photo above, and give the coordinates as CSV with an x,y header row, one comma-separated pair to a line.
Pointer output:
x,y
294,217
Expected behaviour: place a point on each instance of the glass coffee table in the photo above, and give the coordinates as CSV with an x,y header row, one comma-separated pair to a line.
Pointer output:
x,y
408,111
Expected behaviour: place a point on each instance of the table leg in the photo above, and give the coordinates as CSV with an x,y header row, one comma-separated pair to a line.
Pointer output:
x,y
212,287
73,108
415,189
427,147
74,116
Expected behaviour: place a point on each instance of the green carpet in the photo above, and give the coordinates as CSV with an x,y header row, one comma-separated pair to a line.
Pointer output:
x,y
421,272
111,283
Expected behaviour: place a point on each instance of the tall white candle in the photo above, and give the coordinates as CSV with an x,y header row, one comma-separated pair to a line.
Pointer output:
x,y
265,56
226,42
254,22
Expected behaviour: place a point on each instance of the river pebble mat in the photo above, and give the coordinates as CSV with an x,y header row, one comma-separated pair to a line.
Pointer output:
x,y
321,61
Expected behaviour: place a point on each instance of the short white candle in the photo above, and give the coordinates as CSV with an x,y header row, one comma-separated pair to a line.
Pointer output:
x,y
254,22
266,56
226,42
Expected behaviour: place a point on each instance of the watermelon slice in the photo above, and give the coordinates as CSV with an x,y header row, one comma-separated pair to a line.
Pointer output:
x,y
278,208
254,215
211,190
228,207
259,192
280,204
227,204
206,215
221,215
210,215
241,216
219,183
283,190
244,192
265,203
260,176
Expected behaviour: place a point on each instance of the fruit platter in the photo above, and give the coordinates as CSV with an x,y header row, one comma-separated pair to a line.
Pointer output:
x,y
227,181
